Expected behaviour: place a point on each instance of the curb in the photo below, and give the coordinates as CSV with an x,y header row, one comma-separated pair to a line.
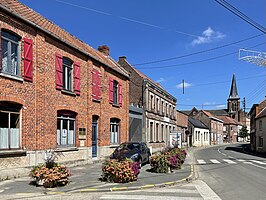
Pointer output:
x,y
143,187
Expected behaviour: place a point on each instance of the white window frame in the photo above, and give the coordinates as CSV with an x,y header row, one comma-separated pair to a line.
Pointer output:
x,y
68,74
64,135
9,68
114,130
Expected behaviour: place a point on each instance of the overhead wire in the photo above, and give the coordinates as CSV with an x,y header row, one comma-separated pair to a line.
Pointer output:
x,y
198,61
198,52
240,14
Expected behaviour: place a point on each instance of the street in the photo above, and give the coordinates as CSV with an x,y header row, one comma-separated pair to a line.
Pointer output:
x,y
221,172
231,173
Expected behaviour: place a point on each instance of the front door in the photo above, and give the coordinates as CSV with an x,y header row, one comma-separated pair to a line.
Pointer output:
x,y
94,136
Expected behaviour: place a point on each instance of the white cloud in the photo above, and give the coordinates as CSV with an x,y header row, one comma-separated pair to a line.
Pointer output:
x,y
186,85
160,80
220,106
208,36
208,103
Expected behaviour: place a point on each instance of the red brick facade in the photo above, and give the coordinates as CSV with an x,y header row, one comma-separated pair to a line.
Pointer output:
x,y
40,100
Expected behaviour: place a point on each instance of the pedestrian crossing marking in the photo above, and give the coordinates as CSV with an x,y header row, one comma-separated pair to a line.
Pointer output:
x,y
229,161
259,162
214,161
201,162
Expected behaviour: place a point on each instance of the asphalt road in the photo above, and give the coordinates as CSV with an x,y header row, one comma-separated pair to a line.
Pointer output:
x,y
232,173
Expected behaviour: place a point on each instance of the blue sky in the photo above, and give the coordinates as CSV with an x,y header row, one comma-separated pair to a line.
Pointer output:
x,y
148,31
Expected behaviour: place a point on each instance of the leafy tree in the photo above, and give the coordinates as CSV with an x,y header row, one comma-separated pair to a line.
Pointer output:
x,y
243,132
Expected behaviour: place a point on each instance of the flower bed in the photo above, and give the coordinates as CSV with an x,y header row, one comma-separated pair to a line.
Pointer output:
x,y
120,171
167,160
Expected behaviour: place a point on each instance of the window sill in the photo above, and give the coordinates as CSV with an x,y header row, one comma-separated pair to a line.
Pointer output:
x,y
16,78
12,153
66,149
116,105
68,93
97,100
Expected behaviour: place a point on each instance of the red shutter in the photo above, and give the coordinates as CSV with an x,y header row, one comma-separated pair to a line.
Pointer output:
x,y
0,50
94,84
111,90
99,85
77,78
58,71
28,59
120,94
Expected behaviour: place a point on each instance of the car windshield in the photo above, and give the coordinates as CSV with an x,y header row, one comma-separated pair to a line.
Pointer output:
x,y
129,146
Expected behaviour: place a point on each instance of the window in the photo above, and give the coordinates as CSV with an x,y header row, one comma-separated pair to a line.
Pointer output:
x,y
114,130
115,95
9,126
162,130
157,132
260,141
152,103
10,53
66,126
151,131
67,74
158,104
260,125
162,107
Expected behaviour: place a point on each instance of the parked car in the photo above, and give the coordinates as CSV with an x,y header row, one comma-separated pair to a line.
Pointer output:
x,y
136,151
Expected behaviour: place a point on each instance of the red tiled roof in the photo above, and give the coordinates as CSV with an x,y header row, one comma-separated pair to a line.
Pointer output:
x,y
34,17
207,113
228,120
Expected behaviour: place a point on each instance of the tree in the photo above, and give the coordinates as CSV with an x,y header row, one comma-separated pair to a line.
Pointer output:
x,y
243,132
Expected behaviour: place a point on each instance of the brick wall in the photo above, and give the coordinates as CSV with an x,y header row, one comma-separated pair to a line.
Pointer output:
x,y
40,100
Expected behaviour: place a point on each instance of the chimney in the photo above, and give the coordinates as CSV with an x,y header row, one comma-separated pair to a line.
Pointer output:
x,y
122,58
104,49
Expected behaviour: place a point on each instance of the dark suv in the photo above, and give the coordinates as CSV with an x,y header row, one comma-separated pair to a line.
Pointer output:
x,y
136,151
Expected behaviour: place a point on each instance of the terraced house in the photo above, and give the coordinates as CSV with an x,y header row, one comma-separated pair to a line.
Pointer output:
x,y
157,105
56,92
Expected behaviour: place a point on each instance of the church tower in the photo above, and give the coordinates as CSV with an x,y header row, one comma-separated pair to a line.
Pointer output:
x,y
233,102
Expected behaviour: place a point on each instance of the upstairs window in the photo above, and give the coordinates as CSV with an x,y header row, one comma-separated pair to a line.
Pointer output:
x,y
10,44
67,74
115,92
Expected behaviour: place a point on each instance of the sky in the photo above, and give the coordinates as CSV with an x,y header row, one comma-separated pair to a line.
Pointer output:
x,y
174,40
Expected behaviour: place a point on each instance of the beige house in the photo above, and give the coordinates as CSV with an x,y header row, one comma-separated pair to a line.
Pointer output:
x,y
261,131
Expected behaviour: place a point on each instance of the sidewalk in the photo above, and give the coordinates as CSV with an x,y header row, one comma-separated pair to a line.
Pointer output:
x,y
86,179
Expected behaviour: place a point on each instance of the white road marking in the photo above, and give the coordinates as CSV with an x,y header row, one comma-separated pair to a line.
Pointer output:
x,y
241,160
250,163
259,162
231,157
214,161
229,161
201,162
205,191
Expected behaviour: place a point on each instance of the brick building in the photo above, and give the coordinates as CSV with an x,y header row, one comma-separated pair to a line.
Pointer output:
x,y
159,107
56,92
182,126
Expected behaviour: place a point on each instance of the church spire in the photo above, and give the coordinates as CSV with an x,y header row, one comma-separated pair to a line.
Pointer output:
x,y
233,92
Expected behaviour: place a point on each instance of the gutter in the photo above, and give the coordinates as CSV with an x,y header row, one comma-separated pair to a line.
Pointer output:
x,y
55,36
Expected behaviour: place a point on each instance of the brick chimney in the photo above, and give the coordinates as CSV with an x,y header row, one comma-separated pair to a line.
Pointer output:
x,y
104,49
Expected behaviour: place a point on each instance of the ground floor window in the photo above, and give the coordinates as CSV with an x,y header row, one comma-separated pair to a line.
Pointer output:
x,y
114,130
260,141
9,126
66,126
